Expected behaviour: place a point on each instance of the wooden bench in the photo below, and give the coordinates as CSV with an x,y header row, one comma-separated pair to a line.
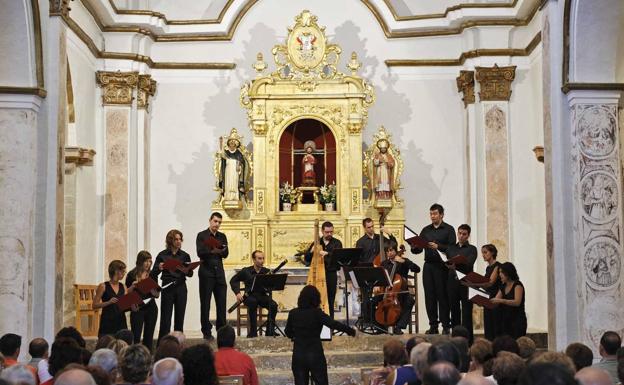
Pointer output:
x,y
83,300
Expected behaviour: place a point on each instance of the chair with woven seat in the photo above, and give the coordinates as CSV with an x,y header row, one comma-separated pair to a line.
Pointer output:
x,y
412,286
83,300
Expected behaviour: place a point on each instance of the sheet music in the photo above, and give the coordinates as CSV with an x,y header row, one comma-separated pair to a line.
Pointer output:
x,y
326,334
443,256
167,285
409,233
460,275
474,293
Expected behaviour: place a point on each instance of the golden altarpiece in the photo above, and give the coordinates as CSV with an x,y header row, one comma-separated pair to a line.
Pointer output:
x,y
305,110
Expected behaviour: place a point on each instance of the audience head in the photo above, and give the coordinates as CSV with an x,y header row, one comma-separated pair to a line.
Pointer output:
x,y
100,376
474,379
107,360
418,358
412,342
135,363
444,351
117,346
556,358
441,373
546,374
526,347
198,365
104,341
394,353
74,377
125,335
507,368
18,375
461,343
179,336
10,345
168,347
38,348
610,342
504,344
480,352
592,375
309,298
226,337
167,371
64,351
73,333
459,331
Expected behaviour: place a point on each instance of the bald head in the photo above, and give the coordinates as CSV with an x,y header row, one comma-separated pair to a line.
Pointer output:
x,y
167,371
441,373
593,376
474,379
74,377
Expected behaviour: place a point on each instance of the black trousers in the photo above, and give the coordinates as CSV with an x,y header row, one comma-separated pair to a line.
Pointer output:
x,y
173,297
143,322
407,302
252,302
309,363
210,285
435,278
461,307
331,278
492,320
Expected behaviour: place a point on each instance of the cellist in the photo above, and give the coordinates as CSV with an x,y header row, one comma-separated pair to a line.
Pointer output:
x,y
403,268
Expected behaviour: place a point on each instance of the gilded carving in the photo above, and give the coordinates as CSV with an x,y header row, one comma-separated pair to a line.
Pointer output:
x,y
355,234
260,239
331,113
355,200
117,86
260,201
146,88
495,82
383,167
465,85
79,156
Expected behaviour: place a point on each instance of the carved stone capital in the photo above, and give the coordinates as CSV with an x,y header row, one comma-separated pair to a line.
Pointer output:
x,y
495,82
117,86
465,85
79,156
59,8
147,88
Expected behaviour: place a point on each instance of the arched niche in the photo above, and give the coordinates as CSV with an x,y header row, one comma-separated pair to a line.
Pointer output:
x,y
291,152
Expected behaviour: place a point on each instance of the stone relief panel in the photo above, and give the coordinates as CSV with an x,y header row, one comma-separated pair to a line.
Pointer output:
x,y
596,131
602,265
599,193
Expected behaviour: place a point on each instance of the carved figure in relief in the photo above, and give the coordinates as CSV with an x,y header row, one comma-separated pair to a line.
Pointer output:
x,y
602,264
597,131
308,162
599,196
383,163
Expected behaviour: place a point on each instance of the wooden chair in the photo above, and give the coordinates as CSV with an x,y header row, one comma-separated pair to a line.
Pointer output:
x,y
231,380
243,316
412,286
83,299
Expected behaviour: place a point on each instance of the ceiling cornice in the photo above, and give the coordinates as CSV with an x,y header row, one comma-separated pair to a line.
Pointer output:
x,y
448,10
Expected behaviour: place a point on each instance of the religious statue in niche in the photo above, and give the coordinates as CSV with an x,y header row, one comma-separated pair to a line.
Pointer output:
x,y
233,171
382,169
308,162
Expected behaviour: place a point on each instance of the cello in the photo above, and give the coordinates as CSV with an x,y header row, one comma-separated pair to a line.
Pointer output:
x,y
379,258
316,274
389,308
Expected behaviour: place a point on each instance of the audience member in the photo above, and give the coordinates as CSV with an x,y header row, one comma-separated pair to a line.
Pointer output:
x,y
507,368
38,350
411,343
73,333
85,356
480,352
19,374
168,347
10,345
620,369
394,355
593,375
504,343
135,363
460,331
107,360
407,373
198,365
64,351
43,374
526,347
104,341
461,343
444,351
581,355
125,335
74,376
441,373
229,361
117,346
99,375
555,358
546,374
418,358
167,371
180,337
610,342
474,379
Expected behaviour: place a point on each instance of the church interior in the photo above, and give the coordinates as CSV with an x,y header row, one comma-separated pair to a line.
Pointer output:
x,y
121,120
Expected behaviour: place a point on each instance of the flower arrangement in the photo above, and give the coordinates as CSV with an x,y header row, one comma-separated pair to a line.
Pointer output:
x,y
287,193
328,193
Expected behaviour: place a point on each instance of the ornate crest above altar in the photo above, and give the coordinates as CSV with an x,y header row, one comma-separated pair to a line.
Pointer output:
x,y
306,118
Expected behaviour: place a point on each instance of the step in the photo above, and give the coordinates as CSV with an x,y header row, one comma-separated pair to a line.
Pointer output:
x,y
347,376
356,359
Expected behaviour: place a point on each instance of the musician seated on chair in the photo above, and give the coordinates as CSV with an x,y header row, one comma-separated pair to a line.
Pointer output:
x,y
256,298
403,268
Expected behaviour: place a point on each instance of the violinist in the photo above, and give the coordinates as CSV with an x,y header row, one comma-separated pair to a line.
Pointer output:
x,y
369,242
403,268
254,299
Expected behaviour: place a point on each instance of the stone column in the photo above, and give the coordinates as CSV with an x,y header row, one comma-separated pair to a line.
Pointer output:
x,y
495,91
146,89
18,184
597,213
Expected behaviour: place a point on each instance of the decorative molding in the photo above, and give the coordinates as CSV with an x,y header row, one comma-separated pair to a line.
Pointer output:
x,y
21,101
59,8
24,91
448,10
79,155
495,82
38,44
117,86
465,85
467,55
146,88
163,17
567,87
539,153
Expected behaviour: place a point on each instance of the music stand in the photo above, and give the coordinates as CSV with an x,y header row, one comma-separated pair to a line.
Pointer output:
x,y
367,278
346,258
268,283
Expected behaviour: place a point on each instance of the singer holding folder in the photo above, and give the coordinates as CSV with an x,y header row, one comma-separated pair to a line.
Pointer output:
x,y
256,298
173,296
143,320
112,319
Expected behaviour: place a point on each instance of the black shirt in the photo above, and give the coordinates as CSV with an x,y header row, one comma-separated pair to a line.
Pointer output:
x,y
168,276
304,327
443,235
468,251
329,247
212,262
370,247
246,275
403,269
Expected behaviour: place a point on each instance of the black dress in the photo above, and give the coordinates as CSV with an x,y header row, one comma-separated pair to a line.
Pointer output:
x,y
304,328
112,319
514,322
491,318
143,321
